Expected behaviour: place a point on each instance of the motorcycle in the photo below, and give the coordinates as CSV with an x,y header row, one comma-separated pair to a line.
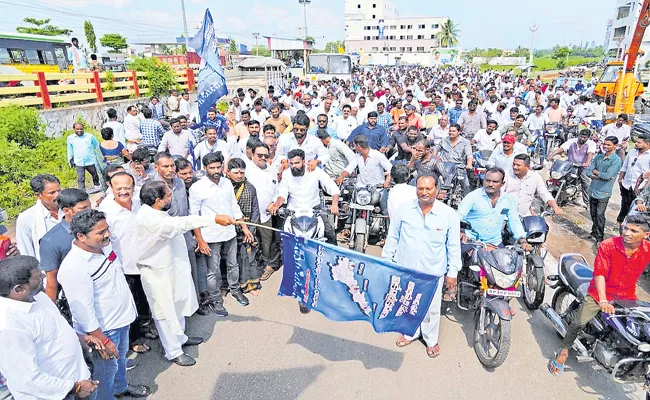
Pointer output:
x,y
304,223
552,136
564,183
367,219
452,185
618,342
486,283
537,148
533,285
481,158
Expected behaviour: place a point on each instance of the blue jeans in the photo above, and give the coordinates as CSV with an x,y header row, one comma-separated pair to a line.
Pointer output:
x,y
111,374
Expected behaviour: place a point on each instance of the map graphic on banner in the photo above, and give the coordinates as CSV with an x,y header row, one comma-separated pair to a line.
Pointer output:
x,y
212,80
345,285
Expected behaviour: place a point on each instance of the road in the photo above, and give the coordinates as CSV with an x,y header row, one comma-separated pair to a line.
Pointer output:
x,y
270,351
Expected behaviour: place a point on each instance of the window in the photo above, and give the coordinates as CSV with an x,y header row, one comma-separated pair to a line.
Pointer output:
x,y
433,36
420,26
375,49
623,12
420,37
393,27
409,27
393,49
402,37
409,49
384,48
49,57
18,56
402,49
435,26
420,49
619,32
32,57
402,26
409,37
358,5
376,38
366,38
373,17
4,57
374,6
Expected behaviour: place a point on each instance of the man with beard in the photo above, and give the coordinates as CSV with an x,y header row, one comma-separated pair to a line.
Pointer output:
x,y
33,223
164,267
472,120
100,301
345,123
300,189
246,196
281,122
44,366
404,143
377,135
410,243
322,126
314,151
340,155
213,195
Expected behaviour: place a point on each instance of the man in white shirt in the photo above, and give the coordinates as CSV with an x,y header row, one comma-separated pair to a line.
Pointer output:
x,y
315,153
33,223
488,138
345,124
118,128
504,154
41,355
185,106
209,196
258,113
402,193
299,188
132,121
535,121
599,112
100,301
524,184
584,108
635,165
211,145
621,130
264,179
176,141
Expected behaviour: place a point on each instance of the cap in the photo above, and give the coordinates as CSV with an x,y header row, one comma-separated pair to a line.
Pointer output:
x,y
509,139
410,107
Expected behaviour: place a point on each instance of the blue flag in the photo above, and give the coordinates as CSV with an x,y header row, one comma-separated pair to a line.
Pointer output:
x,y
345,285
212,80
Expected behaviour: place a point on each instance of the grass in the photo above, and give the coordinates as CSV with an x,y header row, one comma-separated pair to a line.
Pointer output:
x,y
548,63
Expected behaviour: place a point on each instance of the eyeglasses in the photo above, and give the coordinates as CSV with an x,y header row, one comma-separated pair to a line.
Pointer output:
x,y
324,121
262,155
300,129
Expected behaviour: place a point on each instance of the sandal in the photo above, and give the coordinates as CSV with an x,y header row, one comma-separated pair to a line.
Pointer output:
x,y
449,296
152,334
432,352
554,367
140,348
268,271
403,342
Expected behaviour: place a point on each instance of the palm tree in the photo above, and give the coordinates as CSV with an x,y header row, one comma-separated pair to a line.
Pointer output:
x,y
449,34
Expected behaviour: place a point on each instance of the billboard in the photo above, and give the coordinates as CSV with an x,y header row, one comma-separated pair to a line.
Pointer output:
x,y
445,55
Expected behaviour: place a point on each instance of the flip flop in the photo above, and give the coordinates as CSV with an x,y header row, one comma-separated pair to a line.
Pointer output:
x,y
403,342
140,348
268,271
431,351
554,368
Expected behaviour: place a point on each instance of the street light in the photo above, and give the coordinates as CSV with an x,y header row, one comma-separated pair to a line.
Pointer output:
x,y
533,29
304,5
257,48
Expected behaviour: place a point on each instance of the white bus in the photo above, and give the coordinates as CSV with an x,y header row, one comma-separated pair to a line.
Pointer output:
x,y
325,66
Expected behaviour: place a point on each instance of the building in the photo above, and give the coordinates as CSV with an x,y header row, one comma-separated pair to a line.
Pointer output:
x,y
374,29
622,28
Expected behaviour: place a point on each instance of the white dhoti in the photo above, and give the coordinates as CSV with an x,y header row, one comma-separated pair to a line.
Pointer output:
x,y
171,342
431,323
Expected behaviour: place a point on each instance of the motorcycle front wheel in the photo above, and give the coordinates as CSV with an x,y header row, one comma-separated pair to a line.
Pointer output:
x,y
492,346
359,242
562,303
533,287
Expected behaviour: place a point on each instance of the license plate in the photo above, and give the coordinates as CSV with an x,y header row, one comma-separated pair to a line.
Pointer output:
x,y
360,207
504,293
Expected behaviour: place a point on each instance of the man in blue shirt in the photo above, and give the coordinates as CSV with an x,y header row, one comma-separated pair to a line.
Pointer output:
x,y
455,112
322,121
487,208
425,236
377,135
81,148
156,108
602,171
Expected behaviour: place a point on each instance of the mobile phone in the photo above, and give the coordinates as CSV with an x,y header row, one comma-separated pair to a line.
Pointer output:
x,y
5,242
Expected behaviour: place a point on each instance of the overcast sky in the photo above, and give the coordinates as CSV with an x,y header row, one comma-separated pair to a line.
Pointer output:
x,y
504,24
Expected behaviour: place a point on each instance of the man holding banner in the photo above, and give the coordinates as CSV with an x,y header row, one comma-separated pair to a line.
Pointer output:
x,y
425,236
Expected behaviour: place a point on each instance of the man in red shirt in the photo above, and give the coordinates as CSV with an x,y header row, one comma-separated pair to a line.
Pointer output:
x,y
620,261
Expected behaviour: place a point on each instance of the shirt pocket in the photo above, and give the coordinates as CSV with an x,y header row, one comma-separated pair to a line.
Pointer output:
x,y
436,234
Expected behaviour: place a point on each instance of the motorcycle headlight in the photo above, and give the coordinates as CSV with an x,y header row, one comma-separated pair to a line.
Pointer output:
x,y
504,281
556,175
363,197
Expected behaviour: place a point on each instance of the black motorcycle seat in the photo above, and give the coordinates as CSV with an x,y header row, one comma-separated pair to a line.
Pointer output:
x,y
576,272
631,303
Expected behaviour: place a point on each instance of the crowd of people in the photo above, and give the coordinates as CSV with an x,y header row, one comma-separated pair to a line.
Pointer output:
x,y
170,234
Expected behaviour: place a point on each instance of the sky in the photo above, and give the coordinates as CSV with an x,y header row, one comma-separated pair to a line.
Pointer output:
x,y
503,25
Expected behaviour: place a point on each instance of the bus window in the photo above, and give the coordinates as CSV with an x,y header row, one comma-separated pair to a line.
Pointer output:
x,y
4,57
61,58
18,56
339,65
49,57
32,57
317,64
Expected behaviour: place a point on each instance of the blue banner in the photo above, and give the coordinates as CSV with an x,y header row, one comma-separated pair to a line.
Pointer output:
x,y
212,80
345,285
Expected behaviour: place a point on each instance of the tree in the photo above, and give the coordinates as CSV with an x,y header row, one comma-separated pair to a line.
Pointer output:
x,y
449,34
561,53
333,47
89,30
234,49
310,39
115,41
42,27
261,51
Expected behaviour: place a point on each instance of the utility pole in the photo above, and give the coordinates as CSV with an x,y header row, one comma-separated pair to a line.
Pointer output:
x,y
304,6
533,29
257,48
187,39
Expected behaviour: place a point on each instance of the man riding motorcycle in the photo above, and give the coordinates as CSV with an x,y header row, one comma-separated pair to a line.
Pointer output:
x,y
619,263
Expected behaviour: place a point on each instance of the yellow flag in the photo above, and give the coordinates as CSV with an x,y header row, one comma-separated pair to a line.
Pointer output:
x,y
341,50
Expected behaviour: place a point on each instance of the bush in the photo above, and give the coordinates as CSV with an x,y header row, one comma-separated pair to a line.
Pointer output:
x,y
161,76
21,125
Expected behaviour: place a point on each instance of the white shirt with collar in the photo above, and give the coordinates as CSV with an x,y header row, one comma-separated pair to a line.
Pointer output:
x,y
26,225
312,146
372,170
400,194
302,192
634,166
209,199
40,356
265,183
484,141
177,145
124,231
524,190
225,147
344,127
96,289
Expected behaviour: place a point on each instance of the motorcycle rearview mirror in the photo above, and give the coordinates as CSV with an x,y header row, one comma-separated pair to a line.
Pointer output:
x,y
538,167
465,225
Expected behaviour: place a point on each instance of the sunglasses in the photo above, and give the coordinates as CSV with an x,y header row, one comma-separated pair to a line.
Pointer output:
x,y
322,120
262,155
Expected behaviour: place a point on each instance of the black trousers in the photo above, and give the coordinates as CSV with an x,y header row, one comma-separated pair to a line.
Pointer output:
x,y
627,197
137,329
597,209
81,176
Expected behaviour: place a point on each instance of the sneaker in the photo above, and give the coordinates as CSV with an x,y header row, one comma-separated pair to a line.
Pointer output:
x,y
241,299
303,308
218,309
130,364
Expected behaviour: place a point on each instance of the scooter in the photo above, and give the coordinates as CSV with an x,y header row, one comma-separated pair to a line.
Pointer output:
x,y
619,342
